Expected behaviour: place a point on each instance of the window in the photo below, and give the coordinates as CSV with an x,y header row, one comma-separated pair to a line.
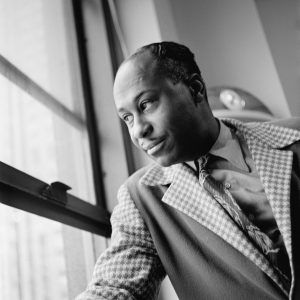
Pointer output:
x,y
45,133
48,135
32,262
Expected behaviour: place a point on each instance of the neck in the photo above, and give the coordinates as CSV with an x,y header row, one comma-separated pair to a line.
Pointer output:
x,y
215,131
207,141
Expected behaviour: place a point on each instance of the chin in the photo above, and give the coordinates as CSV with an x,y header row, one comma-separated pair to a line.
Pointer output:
x,y
165,161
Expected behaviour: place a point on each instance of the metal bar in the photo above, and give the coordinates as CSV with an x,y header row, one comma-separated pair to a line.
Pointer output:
x,y
117,27
20,79
117,56
25,192
89,105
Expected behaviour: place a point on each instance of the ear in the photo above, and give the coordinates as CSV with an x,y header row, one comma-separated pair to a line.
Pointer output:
x,y
197,88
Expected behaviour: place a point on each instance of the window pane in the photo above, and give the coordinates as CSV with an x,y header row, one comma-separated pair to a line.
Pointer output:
x,y
42,144
41,259
37,36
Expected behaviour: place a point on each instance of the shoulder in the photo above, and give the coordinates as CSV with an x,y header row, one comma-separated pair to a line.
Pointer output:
x,y
137,175
276,134
152,175
132,183
292,123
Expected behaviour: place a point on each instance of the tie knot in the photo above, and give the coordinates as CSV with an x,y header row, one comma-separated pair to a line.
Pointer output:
x,y
201,165
202,161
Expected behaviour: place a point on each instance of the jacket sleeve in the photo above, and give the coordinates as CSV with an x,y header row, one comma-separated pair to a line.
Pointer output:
x,y
130,268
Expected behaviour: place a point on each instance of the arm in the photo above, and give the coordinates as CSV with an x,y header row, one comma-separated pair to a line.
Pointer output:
x,y
130,268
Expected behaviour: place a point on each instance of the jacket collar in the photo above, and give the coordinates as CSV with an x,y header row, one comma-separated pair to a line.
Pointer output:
x,y
269,133
157,175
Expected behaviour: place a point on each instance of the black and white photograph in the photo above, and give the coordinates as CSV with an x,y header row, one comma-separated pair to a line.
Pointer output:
x,y
150,150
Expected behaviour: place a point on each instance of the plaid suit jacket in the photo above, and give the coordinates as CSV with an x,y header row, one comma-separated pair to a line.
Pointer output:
x,y
161,209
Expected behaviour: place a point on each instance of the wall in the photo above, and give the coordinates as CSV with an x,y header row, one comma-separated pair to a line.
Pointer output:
x,y
112,150
138,22
281,24
231,48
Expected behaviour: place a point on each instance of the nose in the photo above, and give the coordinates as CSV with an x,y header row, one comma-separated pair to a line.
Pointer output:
x,y
141,128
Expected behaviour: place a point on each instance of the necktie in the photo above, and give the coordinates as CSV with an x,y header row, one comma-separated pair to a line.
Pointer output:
x,y
258,238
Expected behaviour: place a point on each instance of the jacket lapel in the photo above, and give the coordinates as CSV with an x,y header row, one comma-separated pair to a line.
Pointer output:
x,y
186,194
274,165
274,168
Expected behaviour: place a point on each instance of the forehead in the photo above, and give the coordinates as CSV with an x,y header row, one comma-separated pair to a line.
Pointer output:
x,y
135,75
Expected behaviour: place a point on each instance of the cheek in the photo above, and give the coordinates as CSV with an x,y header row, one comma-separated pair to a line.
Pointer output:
x,y
166,119
174,123
182,131
134,141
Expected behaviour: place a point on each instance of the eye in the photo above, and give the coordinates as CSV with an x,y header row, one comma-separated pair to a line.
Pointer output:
x,y
146,104
127,118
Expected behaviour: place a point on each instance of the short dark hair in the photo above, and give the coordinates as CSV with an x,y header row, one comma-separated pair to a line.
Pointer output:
x,y
175,61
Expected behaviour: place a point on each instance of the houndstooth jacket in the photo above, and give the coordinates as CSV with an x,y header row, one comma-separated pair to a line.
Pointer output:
x,y
145,234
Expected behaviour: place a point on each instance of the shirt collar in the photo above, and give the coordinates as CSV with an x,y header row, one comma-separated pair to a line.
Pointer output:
x,y
228,147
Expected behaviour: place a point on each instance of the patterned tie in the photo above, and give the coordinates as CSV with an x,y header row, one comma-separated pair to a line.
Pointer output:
x,y
225,199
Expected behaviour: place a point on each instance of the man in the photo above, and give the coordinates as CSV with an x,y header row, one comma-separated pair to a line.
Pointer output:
x,y
218,211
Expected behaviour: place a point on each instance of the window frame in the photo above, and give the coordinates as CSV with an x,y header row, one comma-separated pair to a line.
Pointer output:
x,y
30,194
118,52
52,201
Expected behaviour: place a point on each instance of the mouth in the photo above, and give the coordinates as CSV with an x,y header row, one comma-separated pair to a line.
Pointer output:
x,y
154,147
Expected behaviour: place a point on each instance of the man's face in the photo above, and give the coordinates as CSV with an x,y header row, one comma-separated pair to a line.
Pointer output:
x,y
162,118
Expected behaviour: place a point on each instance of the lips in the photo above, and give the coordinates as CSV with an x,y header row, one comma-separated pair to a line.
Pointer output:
x,y
154,147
